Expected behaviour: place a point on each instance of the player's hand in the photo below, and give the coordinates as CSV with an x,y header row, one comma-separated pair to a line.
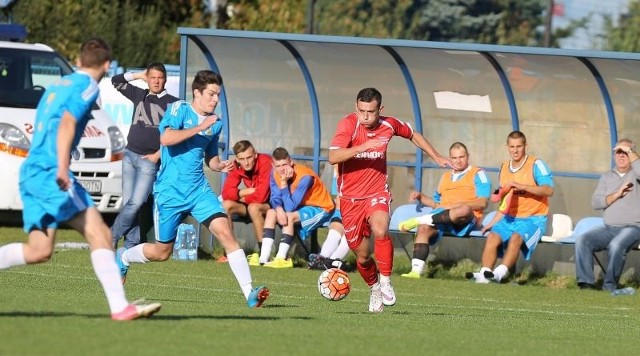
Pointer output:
x,y
208,122
63,180
415,196
281,217
624,189
443,162
225,166
249,191
372,143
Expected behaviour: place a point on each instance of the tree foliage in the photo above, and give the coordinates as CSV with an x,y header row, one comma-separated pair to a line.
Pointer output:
x,y
275,16
138,31
626,36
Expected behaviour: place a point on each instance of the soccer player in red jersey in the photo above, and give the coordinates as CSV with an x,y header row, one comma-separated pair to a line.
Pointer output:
x,y
359,148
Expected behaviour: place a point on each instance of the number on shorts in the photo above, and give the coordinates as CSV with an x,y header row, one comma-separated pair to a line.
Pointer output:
x,y
381,200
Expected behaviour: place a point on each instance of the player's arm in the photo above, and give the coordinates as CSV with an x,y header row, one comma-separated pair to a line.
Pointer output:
x,y
230,189
424,145
66,132
337,155
293,200
121,83
172,136
543,178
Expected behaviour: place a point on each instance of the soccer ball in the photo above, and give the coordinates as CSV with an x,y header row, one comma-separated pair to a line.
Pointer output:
x,y
334,284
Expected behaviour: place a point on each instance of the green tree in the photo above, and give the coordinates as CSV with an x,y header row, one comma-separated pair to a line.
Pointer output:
x,y
268,15
138,31
626,36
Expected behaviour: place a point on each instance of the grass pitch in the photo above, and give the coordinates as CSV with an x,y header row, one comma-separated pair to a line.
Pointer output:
x,y
58,308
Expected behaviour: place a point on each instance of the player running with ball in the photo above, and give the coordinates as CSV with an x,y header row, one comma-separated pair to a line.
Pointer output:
x,y
359,147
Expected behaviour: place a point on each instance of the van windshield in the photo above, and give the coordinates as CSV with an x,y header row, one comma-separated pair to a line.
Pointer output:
x,y
25,74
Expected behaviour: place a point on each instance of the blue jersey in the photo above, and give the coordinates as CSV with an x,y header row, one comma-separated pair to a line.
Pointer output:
x,y
75,93
181,169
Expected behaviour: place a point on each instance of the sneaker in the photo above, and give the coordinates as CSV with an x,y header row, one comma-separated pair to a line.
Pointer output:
x,y
388,294
480,278
123,268
222,259
375,301
254,259
314,261
257,296
412,274
135,311
408,225
280,262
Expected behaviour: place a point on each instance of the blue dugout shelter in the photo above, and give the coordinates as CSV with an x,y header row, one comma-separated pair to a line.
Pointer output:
x,y
290,90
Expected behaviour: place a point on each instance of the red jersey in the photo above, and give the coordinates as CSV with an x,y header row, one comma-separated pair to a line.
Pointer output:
x,y
365,174
258,178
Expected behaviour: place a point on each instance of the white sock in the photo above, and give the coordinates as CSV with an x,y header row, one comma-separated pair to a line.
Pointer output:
x,y
330,244
417,265
426,219
104,265
500,272
343,249
240,268
134,255
12,255
384,279
283,249
265,251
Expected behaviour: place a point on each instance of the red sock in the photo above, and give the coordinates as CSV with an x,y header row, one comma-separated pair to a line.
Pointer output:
x,y
383,249
368,271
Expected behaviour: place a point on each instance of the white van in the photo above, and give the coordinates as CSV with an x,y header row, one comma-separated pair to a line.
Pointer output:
x,y
26,70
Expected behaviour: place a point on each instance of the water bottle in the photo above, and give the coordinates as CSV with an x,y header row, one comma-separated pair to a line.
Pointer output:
x,y
176,244
191,242
624,291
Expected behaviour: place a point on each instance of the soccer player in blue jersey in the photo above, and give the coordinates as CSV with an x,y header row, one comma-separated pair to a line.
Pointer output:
x,y
189,132
50,193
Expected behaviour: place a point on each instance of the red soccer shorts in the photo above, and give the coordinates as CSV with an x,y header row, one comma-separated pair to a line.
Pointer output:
x,y
356,213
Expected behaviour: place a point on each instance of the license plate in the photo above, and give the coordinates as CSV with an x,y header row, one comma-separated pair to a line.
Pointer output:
x,y
91,186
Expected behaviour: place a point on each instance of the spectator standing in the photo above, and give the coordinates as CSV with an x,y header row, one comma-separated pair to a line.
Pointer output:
x,y
140,163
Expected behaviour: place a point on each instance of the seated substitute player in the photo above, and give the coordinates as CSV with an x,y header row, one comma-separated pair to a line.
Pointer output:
x,y
335,248
526,183
458,203
49,191
189,132
298,196
253,170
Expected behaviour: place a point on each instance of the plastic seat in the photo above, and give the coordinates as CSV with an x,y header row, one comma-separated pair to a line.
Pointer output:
x,y
583,225
561,227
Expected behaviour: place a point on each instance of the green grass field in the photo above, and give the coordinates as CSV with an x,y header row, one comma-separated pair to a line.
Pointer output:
x,y
58,308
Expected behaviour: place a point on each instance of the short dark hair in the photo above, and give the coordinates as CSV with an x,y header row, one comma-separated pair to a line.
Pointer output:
x,y
241,146
280,153
94,52
157,66
514,135
459,145
368,95
204,78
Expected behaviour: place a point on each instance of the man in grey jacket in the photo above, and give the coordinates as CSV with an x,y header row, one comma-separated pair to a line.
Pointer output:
x,y
618,195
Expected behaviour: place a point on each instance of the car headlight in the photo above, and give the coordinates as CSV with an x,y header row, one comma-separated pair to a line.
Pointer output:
x,y
13,141
117,143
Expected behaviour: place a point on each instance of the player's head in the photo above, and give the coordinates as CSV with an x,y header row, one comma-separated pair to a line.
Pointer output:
x,y
368,107
517,145
245,155
95,56
459,156
156,77
206,87
621,157
281,159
